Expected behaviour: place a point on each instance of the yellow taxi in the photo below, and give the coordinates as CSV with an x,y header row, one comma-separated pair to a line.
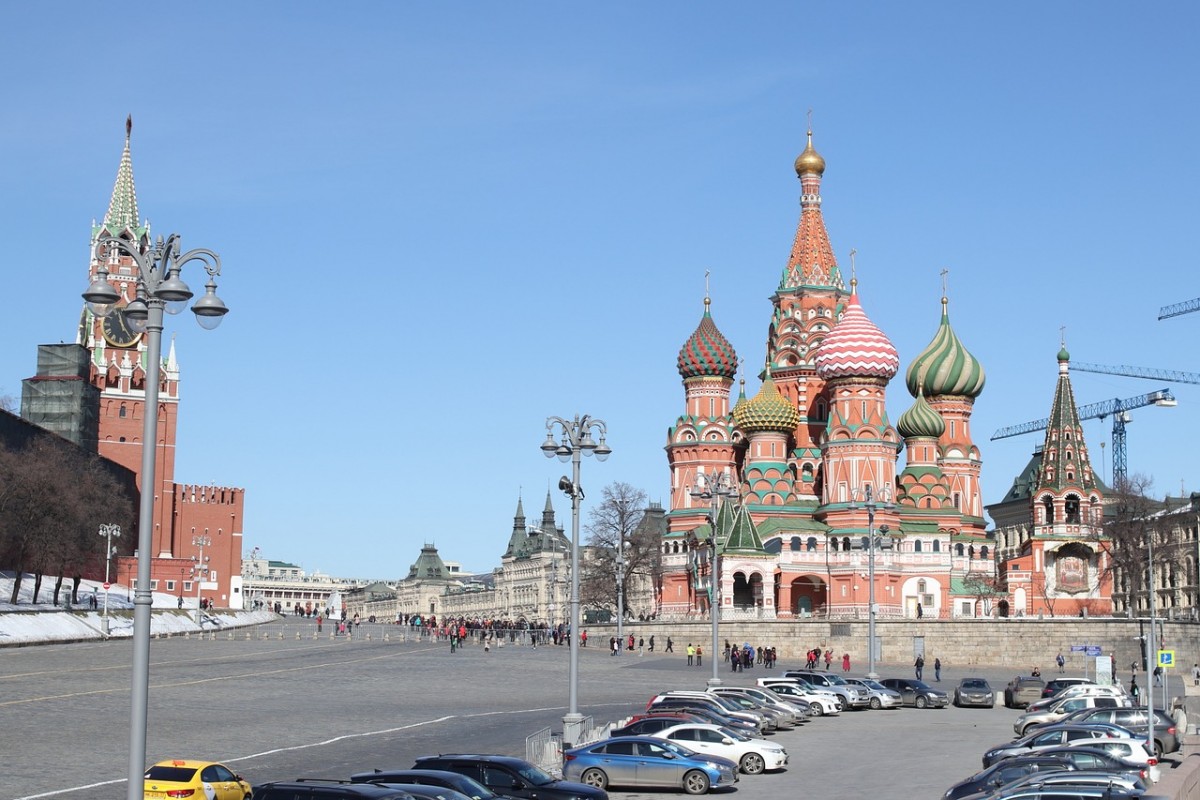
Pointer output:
x,y
198,780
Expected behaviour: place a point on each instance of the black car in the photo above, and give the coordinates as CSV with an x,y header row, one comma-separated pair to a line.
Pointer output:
x,y
652,724
1004,772
431,777
326,789
1090,758
510,776
422,791
1056,685
917,693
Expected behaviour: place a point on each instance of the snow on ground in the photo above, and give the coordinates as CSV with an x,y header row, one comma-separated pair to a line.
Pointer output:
x,y
25,622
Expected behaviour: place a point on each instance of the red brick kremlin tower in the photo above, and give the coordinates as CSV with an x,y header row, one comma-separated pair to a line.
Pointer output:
x,y
804,451
184,514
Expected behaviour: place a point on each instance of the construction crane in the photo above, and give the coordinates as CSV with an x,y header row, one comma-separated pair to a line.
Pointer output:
x,y
1179,309
1168,375
1118,409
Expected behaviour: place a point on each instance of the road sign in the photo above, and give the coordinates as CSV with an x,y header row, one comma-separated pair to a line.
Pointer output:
x,y
107,586
1166,658
1078,648
1092,650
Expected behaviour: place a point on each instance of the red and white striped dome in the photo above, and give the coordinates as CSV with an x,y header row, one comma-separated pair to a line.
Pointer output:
x,y
856,348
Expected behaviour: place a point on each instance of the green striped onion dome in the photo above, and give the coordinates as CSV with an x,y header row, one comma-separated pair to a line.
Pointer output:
x,y
921,420
945,366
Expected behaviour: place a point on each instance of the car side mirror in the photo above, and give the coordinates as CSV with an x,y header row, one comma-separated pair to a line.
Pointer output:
x,y
516,784
727,741
667,754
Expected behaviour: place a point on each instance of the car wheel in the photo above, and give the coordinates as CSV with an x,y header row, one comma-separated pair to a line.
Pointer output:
x,y
695,782
594,777
752,764
841,704
876,703
1158,749
921,702
817,709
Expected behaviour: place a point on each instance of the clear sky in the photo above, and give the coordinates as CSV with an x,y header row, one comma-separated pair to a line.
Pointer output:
x,y
443,222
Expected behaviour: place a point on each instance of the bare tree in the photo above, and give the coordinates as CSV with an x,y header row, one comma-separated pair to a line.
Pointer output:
x,y
1133,523
985,588
612,523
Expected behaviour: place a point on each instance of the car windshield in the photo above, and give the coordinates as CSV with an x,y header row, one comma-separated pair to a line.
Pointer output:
x,y
475,789
974,683
534,775
676,748
169,773
870,683
836,680
732,734
920,686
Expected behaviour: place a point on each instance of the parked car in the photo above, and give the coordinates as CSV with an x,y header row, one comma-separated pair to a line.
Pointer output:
x,y
325,789
752,755
710,702
1065,792
853,696
1061,708
974,692
511,776
1005,772
642,761
917,693
777,718
650,724
1056,685
1127,781
429,777
1080,690
1021,691
1055,736
1166,736
878,695
821,701
1083,756
706,708
422,791
793,712
178,776
1132,751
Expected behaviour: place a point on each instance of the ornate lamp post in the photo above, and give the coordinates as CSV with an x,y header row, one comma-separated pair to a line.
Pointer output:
x,y
713,490
869,501
109,532
159,290
575,441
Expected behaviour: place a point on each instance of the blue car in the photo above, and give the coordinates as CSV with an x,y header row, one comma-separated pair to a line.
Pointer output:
x,y
642,761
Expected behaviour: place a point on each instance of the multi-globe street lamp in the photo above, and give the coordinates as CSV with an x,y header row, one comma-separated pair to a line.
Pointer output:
x,y
109,532
575,440
159,290
712,490
871,501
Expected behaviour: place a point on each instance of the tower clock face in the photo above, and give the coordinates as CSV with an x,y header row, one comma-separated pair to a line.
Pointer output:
x,y
117,330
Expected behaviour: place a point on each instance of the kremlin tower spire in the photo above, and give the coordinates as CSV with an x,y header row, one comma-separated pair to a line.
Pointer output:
x,y
122,213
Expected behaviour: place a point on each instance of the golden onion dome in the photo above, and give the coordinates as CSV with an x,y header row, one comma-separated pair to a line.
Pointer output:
x,y
810,160
766,411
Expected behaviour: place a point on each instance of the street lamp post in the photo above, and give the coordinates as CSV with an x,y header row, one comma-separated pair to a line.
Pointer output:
x,y
620,591
870,500
713,491
159,290
1151,648
200,567
109,532
575,440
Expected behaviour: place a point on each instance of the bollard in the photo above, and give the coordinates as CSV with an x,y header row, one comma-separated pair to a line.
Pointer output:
x,y
368,637
187,634
297,636
387,637
281,636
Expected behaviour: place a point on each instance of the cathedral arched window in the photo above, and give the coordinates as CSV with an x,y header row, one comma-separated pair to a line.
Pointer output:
x,y
937,546
916,545
866,542
1072,509
811,544
846,543
983,552
971,551
922,587
121,411
958,549
833,542
1048,510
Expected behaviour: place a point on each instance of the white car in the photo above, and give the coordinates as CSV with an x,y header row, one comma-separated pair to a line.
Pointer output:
x,y
752,755
1131,750
822,702
880,695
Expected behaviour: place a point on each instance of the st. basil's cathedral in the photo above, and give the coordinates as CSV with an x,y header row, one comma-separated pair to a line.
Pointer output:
x,y
799,477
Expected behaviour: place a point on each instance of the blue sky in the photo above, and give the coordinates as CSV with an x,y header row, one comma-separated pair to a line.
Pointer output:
x,y
443,222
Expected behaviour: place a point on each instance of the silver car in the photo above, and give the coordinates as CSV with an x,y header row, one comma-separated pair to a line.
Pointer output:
x,y
878,695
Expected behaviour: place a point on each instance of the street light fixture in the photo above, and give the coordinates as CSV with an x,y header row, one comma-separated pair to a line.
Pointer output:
x,y
574,442
1151,647
870,501
713,490
109,532
159,290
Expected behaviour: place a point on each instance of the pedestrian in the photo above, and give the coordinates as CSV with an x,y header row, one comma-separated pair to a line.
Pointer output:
x,y
937,669
1196,674
919,665
828,659
583,639
725,652
691,654
670,649
1036,672
1134,692
734,658
699,656
652,643
631,642
641,647
320,619
845,662
613,645
1158,675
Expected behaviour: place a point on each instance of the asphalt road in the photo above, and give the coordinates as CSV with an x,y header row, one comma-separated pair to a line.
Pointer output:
x,y
277,708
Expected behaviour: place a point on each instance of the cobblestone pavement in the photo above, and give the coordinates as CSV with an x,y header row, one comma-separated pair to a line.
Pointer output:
x,y
283,704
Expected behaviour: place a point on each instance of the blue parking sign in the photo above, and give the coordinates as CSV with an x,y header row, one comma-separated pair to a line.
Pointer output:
x,y
1166,658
